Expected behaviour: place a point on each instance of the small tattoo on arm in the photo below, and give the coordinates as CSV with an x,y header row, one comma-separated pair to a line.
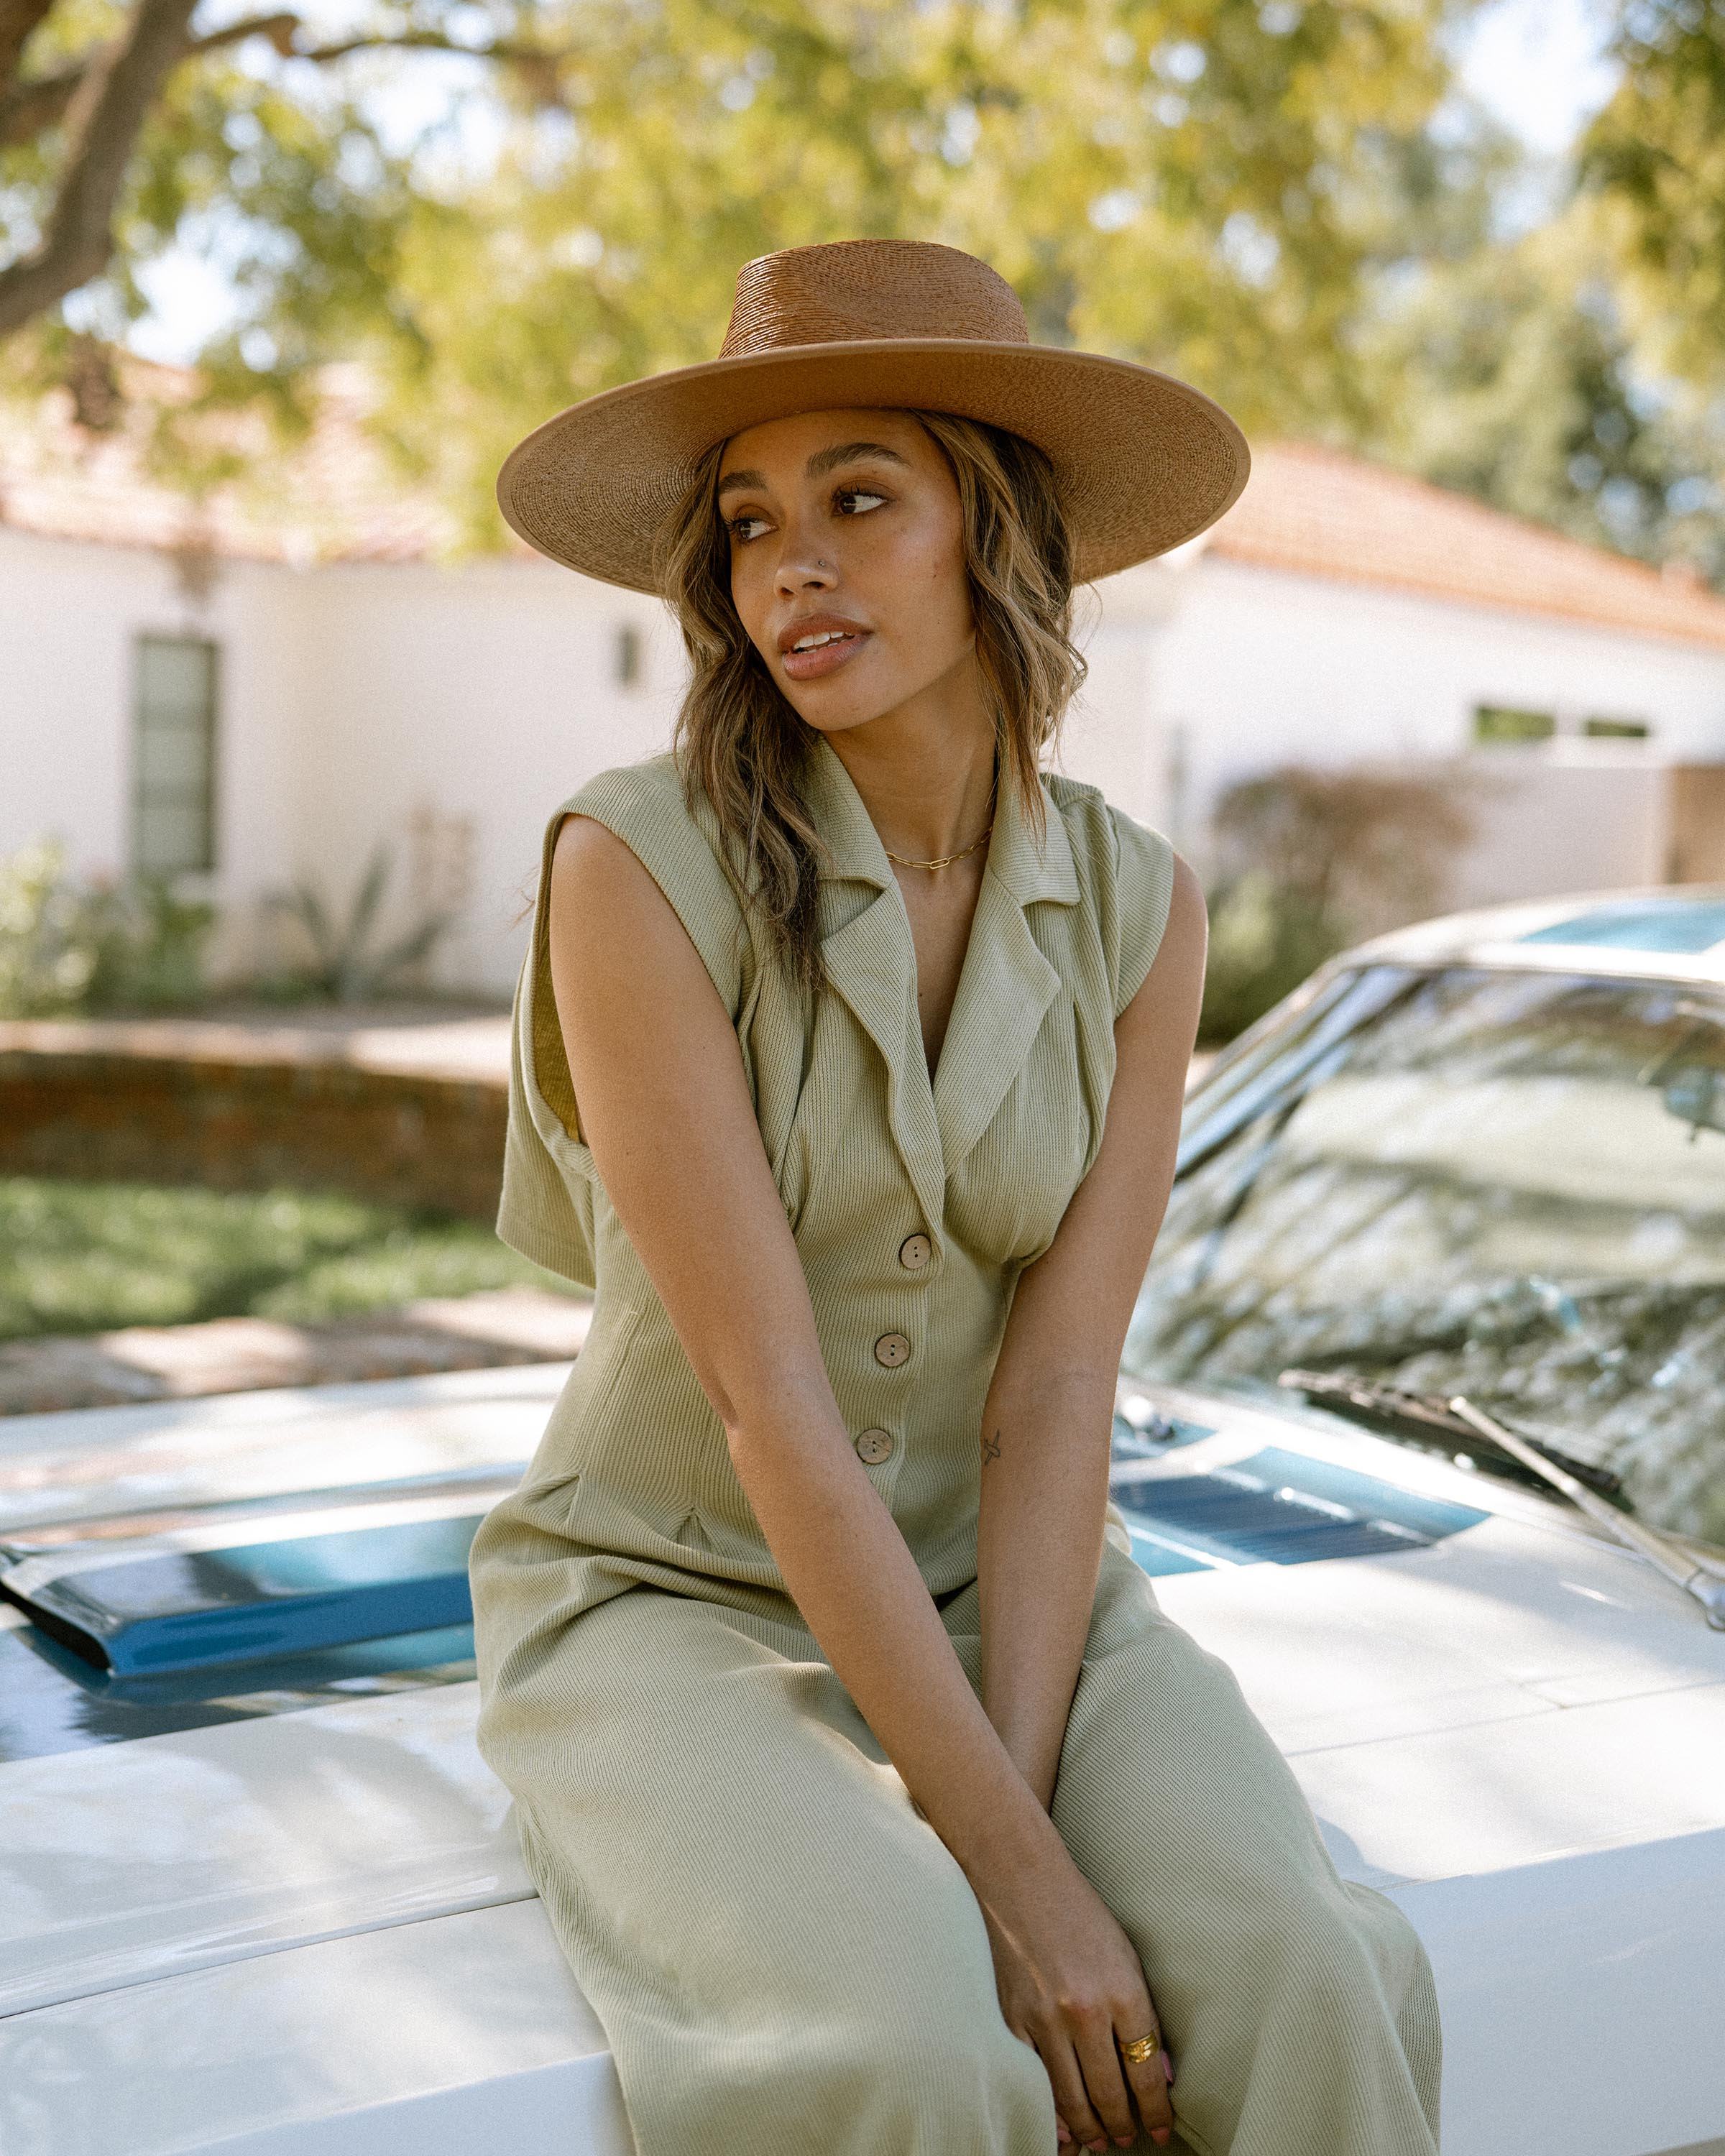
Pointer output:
x,y
991,1447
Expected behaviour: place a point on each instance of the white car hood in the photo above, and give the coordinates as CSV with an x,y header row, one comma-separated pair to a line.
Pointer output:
x,y
1479,1724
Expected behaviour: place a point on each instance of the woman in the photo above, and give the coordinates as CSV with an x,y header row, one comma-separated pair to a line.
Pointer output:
x,y
878,1808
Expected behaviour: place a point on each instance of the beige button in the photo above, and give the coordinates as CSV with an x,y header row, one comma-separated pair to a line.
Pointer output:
x,y
915,1252
891,1350
874,1445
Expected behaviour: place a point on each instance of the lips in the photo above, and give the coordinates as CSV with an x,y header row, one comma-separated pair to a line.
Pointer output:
x,y
828,642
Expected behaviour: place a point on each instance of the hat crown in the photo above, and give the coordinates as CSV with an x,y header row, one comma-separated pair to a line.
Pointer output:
x,y
860,289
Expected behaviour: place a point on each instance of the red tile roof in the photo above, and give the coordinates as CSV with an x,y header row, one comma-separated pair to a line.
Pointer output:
x,y
1322,513
333,497
337,498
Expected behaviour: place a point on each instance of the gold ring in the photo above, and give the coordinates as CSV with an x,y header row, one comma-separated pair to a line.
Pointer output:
x,y
1141,2049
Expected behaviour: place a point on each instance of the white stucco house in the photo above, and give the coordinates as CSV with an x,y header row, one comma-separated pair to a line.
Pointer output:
x,y
251,695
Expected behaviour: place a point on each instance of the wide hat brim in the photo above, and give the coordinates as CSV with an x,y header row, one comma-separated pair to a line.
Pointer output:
x,y
1142,462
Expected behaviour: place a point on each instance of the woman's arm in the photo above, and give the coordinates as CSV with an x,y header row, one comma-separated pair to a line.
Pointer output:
x,y
1050,1413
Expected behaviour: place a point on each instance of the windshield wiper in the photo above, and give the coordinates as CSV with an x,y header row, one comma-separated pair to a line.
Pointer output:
x,y
1459,1417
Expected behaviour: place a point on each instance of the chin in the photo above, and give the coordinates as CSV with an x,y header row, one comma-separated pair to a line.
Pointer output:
x,y
835,706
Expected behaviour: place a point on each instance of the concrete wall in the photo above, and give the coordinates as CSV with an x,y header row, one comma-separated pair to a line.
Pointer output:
x,y
1586,816
484,695
71,614
359,701
68,617
353,701
1571,822
1255,667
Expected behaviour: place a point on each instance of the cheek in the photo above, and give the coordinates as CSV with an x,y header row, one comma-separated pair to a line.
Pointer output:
x,y
752,595
925,567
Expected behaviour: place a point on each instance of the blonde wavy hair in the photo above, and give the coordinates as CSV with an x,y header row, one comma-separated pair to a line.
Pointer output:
x,y
740,744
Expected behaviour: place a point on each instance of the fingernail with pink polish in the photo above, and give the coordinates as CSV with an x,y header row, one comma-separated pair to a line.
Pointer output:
x,y
1167,2067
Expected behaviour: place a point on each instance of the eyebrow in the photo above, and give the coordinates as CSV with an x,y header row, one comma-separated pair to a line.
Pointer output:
x,y
822,462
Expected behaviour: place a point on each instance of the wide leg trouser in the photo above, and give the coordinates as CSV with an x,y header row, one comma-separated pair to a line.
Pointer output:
x,y
786,1958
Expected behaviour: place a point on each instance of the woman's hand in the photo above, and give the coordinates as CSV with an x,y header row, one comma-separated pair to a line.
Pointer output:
x,y
1071,1985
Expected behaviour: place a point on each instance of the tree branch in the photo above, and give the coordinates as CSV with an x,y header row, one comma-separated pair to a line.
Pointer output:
x,y
428,41
105,100
33,107
17,19
104,117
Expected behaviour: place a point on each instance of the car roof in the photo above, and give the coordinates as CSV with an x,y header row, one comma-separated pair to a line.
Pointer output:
x,y
1669,934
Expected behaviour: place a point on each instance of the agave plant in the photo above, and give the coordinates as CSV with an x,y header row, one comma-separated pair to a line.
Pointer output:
x,y
348,964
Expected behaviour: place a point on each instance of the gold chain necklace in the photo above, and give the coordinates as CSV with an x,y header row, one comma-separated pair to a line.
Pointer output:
x,y
946,860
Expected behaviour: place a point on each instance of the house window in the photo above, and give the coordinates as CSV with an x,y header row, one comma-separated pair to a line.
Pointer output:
x,y
1616,729
174,755
1504,722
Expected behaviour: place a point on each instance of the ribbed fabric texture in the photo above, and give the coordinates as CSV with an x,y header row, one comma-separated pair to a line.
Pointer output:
x,y
782,1954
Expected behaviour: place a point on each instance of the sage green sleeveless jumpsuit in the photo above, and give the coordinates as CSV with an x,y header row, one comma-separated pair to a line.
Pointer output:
x,y
784,1956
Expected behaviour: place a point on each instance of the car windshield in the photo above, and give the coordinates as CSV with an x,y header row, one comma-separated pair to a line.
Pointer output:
x,y
1510,1185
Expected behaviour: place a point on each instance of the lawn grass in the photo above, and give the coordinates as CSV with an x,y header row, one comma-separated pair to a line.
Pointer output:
x,y
86,1257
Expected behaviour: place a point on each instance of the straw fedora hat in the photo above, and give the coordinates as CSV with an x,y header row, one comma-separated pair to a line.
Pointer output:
x,y
1142,461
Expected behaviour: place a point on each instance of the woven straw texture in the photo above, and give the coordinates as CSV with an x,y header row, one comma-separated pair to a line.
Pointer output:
x,y
783,1955
1144,462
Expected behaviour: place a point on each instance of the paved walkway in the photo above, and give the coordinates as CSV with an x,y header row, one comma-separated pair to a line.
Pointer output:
x,y
427,1041
251,1354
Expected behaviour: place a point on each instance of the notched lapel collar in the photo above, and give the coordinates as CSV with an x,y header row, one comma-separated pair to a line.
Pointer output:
x,y
1004,991
1008,985
871,965
1004,995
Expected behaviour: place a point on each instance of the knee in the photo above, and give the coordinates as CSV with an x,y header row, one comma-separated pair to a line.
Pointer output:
x,y
1343,1955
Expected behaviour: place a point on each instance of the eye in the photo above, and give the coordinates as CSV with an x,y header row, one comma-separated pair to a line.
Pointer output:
x,y
856,500
750,524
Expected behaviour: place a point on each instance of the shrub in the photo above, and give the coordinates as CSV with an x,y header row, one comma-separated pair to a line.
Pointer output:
x,y
1310,861
48,955
68,946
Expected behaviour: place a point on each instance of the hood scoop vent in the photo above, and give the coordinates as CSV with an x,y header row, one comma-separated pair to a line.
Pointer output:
x,y
161,1610
1277,1507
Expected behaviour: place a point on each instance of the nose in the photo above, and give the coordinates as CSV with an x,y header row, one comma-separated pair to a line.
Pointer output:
x,y
802,566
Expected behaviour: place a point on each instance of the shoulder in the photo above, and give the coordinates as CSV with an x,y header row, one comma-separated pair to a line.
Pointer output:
x,y
646,807
643,805
633,796
1106,843
1138,886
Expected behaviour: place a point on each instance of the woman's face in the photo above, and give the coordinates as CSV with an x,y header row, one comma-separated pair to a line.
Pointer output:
x,y
847,562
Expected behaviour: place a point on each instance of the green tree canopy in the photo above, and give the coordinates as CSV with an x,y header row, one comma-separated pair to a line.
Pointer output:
x,y
1286,201
1653,162
1195,182
1199,183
